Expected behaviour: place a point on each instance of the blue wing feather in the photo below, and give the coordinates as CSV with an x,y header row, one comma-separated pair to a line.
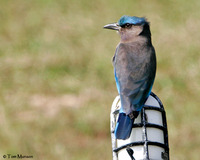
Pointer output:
x,y
117,83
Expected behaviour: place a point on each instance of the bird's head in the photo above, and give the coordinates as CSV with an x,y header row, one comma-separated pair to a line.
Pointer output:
x,y
131,27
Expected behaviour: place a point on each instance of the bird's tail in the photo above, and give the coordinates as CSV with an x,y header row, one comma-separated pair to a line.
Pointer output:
x,y
123,127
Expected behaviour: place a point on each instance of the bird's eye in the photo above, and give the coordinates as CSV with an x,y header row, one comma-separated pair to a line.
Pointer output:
x,y
127,25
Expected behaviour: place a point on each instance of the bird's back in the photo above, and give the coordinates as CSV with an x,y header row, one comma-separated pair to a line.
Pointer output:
x,y
135,67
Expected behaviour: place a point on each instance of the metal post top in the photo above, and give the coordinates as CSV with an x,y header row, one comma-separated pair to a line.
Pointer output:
x,y
149,136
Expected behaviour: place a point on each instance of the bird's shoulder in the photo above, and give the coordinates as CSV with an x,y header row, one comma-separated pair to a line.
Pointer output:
x,y
129,54
134,49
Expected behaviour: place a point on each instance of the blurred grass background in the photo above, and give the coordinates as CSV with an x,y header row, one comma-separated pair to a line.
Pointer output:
x,y
57,83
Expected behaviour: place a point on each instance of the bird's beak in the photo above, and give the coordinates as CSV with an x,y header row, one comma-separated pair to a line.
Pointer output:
x,y
113,26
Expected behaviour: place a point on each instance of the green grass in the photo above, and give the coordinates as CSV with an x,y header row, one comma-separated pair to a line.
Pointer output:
x,y
57,83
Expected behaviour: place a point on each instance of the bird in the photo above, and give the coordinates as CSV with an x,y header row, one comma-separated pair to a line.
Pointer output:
x,y
134,64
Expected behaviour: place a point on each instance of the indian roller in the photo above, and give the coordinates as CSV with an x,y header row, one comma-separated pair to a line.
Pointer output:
x,y
134,69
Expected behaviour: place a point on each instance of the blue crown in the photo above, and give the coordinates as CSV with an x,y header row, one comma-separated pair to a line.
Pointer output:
x,y
131,20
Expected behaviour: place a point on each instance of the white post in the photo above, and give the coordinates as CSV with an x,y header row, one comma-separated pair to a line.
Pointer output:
x,y
149,137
